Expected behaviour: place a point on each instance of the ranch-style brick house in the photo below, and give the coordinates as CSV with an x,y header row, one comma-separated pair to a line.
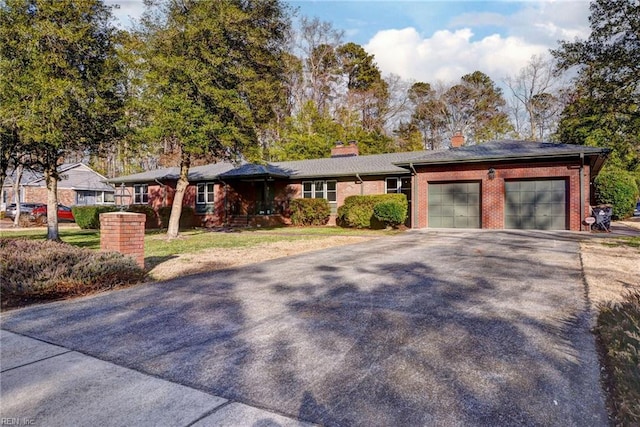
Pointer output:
x,y
496,185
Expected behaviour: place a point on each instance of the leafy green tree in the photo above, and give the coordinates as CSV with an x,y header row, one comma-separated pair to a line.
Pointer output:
x,y
604,109
310,134
214,73
617,187
59,82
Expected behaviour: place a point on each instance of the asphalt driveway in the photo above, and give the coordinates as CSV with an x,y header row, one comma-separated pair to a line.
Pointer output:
x,y
424,328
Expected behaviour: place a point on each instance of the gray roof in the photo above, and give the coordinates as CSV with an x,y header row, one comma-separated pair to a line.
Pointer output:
x,y
376,164
253,170
503,150
196,173
76,176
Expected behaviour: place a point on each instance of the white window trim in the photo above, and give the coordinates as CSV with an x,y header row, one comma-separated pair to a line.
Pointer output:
x,y
204,185
398,185
325,190
398,189
138,197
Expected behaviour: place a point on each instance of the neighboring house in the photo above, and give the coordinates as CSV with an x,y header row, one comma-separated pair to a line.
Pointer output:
x,y
501,184
79,185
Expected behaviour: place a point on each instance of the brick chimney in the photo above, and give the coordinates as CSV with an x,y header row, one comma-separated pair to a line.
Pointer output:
x,y
341,150
457,140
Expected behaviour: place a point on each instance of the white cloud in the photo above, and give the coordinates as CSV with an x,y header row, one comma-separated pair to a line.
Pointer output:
x,y
448,55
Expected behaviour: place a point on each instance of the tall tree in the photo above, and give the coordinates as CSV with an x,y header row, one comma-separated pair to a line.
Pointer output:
x,y
474,106
605,106
535,94
59,87
487,108
215,71
367,91
317,42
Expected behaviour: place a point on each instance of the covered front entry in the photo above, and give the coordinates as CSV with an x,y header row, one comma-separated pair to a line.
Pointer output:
x,y
454,205
536,204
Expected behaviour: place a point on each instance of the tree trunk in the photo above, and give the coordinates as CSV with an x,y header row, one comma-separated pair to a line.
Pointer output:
x,y
16,193
52,204
181,188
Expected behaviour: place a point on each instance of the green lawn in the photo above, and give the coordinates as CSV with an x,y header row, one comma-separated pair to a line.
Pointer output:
x,y
157,245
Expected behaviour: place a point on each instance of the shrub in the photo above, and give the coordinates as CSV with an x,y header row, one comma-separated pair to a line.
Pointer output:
x,y
618,331
309,211
150,213
88,217
617,187
357,211
187,216
392,213
45,270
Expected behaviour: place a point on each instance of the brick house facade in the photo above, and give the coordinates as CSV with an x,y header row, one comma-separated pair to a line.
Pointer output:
x,y
502,184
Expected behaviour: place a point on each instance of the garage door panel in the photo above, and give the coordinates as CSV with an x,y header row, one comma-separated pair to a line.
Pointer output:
x,y
454,205
535,204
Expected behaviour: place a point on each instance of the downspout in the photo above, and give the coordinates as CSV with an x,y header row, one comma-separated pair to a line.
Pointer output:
x,y
581,189
414,200
164,193
361,184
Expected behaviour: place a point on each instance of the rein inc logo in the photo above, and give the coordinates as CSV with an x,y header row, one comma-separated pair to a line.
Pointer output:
x,y
18,421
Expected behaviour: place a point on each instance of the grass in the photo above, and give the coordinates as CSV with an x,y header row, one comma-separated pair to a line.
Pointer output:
x,y
633,242
618,331
157,245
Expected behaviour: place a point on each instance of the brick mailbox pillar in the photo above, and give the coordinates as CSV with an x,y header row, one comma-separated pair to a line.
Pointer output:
x,y
123,232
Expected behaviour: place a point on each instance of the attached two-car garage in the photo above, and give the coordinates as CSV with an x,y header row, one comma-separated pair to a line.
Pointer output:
x,y
528,204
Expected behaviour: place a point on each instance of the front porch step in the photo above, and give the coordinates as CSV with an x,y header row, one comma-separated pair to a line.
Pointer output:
x,y
238,221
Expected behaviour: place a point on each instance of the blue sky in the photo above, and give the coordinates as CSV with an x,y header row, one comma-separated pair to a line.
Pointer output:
x,y
423,40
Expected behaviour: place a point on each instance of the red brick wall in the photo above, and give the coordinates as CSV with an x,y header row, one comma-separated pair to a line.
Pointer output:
x,y
39,195
123,232
492,191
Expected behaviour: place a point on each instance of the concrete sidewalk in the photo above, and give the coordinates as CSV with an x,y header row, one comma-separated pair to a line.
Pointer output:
x,y
42,384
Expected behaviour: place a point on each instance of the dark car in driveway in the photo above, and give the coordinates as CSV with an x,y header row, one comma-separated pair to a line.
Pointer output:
x,y
636,211
25,209
39,214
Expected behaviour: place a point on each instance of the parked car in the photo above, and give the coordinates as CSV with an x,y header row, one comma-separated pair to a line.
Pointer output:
x,y
25,209
39,214
636,211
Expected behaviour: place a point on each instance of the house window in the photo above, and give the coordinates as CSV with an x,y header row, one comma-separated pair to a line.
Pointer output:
x,y
398,185
320,190
205,193
84,197
140,194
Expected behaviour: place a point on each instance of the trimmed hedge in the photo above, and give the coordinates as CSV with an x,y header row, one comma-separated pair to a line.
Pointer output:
x,y
309,211
357,211
187,216
392,213
45,269
150,213
617,187
88,217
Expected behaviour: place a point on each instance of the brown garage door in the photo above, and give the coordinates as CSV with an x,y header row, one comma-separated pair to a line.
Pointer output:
x,y
454,205
539,205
